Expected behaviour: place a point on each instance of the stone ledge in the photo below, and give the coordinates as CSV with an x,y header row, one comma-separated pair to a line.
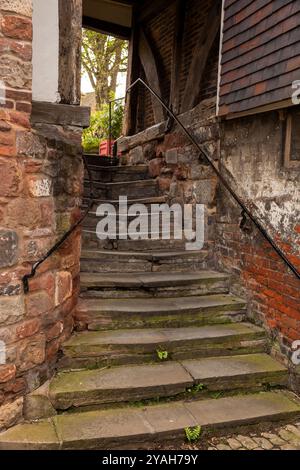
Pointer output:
x,y
203,114
60,114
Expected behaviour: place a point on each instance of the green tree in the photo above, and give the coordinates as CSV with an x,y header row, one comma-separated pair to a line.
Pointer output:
x,y
103,58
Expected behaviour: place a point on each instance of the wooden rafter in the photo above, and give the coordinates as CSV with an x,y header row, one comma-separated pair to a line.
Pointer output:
x,y
200,56
149,64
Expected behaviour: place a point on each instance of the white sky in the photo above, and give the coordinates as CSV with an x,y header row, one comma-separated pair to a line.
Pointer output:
x,y
86,86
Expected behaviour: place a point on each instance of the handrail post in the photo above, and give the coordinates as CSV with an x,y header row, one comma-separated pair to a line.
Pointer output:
x,y
110,129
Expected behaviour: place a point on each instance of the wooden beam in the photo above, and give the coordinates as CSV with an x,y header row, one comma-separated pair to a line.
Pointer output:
x,y
177,56
60,114
151,8
70,23
105,27
259,109
200,56
152,76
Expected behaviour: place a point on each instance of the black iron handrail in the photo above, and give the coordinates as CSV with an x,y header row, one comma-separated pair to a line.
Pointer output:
x,y
245,211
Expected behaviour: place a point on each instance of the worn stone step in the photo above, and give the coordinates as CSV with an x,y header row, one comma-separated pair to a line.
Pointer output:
x,y
99,261
133,383
118,173
163,284
100,161
90,349
147,201
104,314
92,220
131,189
141,427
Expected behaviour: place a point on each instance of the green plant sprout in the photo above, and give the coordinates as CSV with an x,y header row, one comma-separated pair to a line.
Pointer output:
x,y
193,434
196,388
162,355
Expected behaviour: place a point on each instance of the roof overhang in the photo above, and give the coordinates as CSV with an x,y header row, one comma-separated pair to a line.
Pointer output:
x,y
108,16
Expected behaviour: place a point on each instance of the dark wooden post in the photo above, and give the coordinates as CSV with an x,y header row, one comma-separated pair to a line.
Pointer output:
x,y
152,75
70,24
130,115
177,55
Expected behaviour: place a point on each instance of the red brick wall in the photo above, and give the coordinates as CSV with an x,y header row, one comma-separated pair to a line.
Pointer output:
x,y
40,189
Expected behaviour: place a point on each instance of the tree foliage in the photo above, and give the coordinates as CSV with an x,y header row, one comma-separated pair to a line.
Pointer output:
x,y
103,58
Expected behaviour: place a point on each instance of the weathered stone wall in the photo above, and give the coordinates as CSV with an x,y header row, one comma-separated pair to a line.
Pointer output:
x,y
182,176
41,183
252,160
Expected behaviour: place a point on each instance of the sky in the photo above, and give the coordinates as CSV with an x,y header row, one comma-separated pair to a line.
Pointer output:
x,y
86,86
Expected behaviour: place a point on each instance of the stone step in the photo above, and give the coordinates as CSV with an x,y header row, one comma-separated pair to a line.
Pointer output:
x,y
147,201
156,284
98,349
100,162
132,383
107,314
116,174
92,220
131,189
126,428
99,261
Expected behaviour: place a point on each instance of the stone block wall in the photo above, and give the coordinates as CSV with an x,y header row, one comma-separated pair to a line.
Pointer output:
x,y
252,160
40,189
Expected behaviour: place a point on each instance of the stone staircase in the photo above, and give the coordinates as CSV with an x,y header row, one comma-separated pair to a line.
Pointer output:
x,y
160,345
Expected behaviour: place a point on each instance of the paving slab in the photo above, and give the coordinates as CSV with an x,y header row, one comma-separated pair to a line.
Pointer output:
x,y
131,427
102,429
136,280
119,384
245,409
137,382
214,370
179,304
38,436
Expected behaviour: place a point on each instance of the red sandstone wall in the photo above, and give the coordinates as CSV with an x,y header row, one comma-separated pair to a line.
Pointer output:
x,y
41,173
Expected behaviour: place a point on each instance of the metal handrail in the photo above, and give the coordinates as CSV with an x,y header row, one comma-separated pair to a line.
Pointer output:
x,y
205,154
